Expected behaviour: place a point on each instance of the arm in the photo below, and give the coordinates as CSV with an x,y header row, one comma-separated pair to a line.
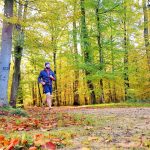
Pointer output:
x,y
53,77
40,78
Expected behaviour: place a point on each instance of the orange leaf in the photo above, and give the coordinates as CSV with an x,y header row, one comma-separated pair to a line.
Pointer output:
x,y
38,137
1,146
6,142
2,137
14,142
24,141
33,148
49,146
55,140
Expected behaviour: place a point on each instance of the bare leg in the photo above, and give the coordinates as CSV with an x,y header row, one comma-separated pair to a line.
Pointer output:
x,y
49,100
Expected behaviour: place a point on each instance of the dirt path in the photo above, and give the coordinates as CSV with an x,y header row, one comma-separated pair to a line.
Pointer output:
x,y
116,128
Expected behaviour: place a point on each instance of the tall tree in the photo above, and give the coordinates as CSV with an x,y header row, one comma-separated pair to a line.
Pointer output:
x,y
85,43
146,11
18,52
126,76
76,72
55,67
5,54
101,58
114,97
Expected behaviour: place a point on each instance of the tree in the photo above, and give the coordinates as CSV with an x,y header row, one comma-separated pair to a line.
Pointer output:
x,y
76,72
146,11
19,31
126,77
86,50
101,59
5,54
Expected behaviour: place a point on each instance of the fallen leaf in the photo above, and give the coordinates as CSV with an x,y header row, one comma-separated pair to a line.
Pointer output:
x,y
2,137
56,140
49,146
33,148
92,138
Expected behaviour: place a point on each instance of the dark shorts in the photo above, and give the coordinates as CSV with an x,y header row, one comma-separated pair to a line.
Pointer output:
x,y
47,89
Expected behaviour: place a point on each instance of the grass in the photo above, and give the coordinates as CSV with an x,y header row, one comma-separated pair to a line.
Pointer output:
x,y
120,105
14,111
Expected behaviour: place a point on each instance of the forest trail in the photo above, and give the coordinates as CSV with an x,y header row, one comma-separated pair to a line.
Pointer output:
x,y
113,128
81,128
125,128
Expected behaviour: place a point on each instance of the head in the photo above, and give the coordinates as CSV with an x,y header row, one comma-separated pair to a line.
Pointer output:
x,y
47,65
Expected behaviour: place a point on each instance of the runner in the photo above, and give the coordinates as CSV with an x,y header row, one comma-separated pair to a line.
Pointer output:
x,y
45,78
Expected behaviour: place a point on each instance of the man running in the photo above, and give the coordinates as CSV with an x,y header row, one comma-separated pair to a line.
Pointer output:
x,y
45,78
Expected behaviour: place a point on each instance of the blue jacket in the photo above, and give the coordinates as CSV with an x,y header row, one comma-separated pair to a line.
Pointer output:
x,y
45,76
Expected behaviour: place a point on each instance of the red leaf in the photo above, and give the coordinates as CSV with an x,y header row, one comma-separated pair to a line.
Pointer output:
x,y
49,146
13,143
10,147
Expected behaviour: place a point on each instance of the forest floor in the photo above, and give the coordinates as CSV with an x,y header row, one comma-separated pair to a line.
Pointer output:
x,y
76,128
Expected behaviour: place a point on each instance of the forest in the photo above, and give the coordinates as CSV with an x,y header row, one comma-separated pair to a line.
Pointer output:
x,y
98,49
96,56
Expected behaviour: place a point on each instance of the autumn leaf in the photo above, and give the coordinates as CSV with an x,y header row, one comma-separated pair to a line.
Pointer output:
x,y
13,143
56,140
6,142
33,148
2,137
10,147
49,146
38,137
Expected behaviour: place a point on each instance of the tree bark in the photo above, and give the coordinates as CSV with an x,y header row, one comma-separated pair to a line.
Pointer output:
x,y
40,96
55,67
85,44
101,58
18,54
146,11
5,54
114,97
76,72
34,93
126,77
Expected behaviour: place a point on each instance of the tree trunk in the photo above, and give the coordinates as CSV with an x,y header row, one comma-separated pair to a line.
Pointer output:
x,y
55,67
34,93
87,53
18,55
40,96
60,85
114,97
110,93
6,52
76,72
146,10
20,96
101,59
16,76
126,77
56,88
